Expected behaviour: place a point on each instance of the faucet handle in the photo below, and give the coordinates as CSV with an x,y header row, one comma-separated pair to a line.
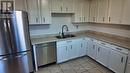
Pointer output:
x,y
60,34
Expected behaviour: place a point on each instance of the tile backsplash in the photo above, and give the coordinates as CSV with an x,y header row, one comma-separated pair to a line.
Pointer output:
x,y
65,19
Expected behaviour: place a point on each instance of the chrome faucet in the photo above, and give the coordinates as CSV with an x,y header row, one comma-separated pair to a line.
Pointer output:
x,y
63,33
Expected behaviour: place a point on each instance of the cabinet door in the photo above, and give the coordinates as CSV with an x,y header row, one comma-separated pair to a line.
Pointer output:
x,y
117,61
103,55
85,11
93,10
33,12
115,11
45,12
41,53
62,54
78,11
68,6
102,11
83,50
92,50
126,12
20,5
56,6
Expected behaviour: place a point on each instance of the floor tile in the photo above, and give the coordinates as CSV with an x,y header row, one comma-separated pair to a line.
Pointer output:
x,y
80,65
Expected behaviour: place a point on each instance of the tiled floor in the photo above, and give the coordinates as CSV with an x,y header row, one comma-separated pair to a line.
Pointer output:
x,y
80,65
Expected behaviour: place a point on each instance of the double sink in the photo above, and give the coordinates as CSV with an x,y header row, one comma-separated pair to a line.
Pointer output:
x,y
65,36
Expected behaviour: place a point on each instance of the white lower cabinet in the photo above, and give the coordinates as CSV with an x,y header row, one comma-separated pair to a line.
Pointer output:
x,y
82,47
117,61
70,49
103,55
112,57
92,49
62,54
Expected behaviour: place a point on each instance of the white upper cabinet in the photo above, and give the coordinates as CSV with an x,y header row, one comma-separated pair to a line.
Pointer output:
x,y
39,11
33,12
115,11
81,9
102,11
56,6
20,5
93,10
78,11
62,6
85,11
126,12
68,6
45,12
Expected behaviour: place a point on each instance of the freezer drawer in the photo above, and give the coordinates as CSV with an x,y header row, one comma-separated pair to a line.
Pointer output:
x,y
45,53
18,63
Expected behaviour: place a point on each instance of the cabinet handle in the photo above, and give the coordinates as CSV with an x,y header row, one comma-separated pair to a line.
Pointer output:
x,y
103,19
81,45
84,18
93,46
66,48
69,41
80,18
109,19
44,19
93,18
98,49
61,8
36,20
122,60
71,47
66,8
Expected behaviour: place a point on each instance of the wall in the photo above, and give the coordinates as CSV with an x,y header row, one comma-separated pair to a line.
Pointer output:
x,y
59,19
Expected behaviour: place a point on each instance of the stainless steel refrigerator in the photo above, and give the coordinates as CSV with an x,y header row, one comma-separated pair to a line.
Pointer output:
x,y
15,47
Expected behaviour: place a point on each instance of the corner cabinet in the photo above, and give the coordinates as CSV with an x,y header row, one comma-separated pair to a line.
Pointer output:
x,y
117,61
39,11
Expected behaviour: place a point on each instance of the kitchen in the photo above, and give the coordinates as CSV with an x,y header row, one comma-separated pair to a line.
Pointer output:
x,y
78,36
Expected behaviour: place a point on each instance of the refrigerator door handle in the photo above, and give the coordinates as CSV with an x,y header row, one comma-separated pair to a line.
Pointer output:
x,y
3,59
20,56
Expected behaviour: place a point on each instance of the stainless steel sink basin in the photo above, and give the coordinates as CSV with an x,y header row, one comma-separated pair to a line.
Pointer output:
x,y
65,36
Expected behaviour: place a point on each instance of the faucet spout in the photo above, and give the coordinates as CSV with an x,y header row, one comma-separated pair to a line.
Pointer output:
x,y
63,33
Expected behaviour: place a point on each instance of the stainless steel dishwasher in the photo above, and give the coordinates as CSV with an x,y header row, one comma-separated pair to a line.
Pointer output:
x,y
45,53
